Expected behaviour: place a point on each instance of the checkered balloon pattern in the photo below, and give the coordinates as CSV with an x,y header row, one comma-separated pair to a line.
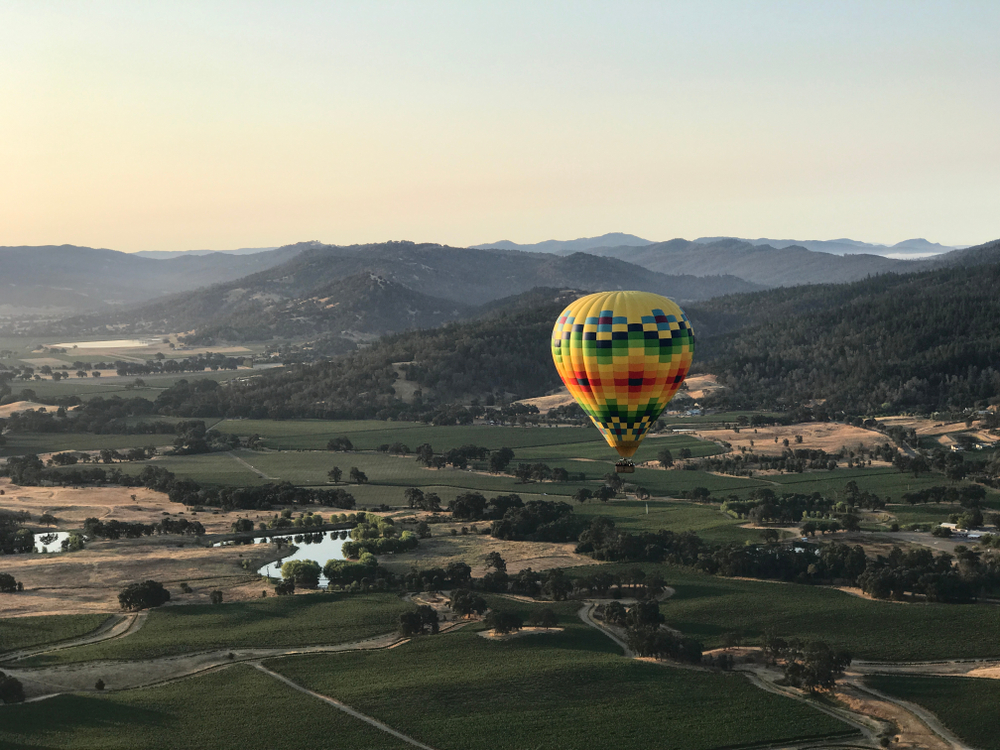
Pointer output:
x,y
623,355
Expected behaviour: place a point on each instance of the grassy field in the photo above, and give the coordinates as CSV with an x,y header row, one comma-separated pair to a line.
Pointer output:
x,y
706,520
968,706
24,632
275,622
561,691
20,443
707,607
233,709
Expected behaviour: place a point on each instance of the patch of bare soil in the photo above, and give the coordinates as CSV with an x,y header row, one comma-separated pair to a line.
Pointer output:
x,y
911,731
443,548
492,635
943,431
19,406
89,580
71,506
824,436
545,404
699,386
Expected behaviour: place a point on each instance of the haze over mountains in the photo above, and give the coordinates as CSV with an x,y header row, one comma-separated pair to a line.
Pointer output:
x,y
63,279
312,289
431,283
916,247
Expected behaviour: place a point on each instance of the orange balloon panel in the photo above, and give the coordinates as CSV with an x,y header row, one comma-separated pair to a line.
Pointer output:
x,y
623,355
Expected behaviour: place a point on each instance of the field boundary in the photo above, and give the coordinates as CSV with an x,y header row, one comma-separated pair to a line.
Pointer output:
x,y
345,708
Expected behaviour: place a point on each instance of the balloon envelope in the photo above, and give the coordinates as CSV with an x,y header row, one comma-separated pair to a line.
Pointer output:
x,y
623,355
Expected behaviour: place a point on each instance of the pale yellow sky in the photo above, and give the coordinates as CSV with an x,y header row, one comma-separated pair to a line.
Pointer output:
x,y
181,125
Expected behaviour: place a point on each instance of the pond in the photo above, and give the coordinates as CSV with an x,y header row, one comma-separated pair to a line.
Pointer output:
x,y
317,545
50,541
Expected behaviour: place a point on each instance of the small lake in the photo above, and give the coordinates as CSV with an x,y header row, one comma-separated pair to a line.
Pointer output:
x,y
317,545
50,541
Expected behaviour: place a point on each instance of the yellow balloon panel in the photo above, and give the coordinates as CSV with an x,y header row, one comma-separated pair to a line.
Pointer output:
x,y
623,355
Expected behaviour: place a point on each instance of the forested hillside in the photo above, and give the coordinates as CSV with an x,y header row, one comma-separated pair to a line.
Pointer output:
x,y
925,341
433,283
928,341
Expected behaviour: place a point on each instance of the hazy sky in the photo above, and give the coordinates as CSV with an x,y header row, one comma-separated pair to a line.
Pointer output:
x,y
179,125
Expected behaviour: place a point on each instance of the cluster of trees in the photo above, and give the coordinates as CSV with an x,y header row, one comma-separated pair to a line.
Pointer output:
x,y
538,521
115,529
194,438
646,635
473,506
366,574
422,620
461,457
814,666
966,577
13,536
970,495
790,461
378,536
764,506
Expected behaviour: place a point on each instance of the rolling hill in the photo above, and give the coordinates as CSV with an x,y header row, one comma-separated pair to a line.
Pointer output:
x,y
760,264
66,279
923,342
318,291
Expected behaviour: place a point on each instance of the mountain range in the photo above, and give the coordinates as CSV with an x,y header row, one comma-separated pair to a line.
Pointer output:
x,y
366,289
63,279
915,248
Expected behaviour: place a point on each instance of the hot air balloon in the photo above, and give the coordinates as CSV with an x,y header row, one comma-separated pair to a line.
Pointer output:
x,y
623,355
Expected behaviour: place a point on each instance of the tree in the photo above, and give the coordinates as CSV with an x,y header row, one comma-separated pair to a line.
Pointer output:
x,y
358,476
414,496
340,444
215,597
425,454
11,690
335,474
496,562
465,602
242,526
8,585
48,519
644,614
557,585
143,595
500,460
285,588
666,458
304,573
817,667
582,495
615,613
503,622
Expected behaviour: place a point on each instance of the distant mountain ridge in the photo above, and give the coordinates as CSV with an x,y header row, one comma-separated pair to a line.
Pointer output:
x,y
168,254
67,279
433,280
612,239
844,246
